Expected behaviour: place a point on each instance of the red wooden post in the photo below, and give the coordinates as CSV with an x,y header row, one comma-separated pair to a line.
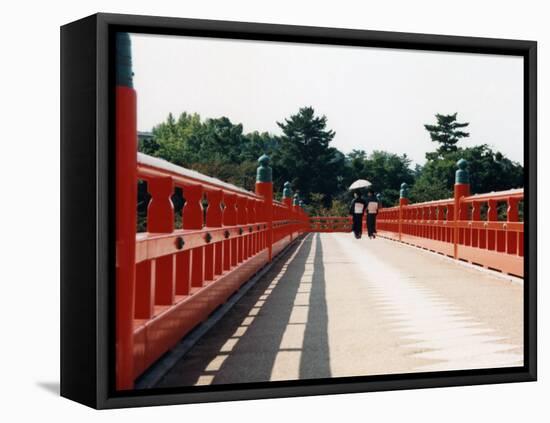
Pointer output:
x,y
160,211
230,219
218,258
214,217
437,223
450,234
403,201
492,216
501,237
287,201
461,189
214,210
463,218
213,220
433,219
241,220
261,219
183,266
183,272
251,209
126,200
160,219
296,210
264,188
512,215
145,289
476,217
193,219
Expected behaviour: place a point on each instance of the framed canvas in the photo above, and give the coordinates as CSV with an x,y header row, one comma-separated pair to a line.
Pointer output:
x,y
256,211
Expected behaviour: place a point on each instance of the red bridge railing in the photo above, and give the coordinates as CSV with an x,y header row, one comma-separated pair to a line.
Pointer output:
x,y
182,275
169,280
483,229
330,224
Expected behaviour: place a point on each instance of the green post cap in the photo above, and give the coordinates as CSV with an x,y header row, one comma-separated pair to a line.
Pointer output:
x,y
404,192
287,191
462,176
295,200
123,60
264,173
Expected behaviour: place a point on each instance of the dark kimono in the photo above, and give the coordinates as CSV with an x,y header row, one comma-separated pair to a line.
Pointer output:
x,y
357,210
371,215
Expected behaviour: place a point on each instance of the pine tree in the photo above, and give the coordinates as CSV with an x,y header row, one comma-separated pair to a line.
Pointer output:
x,y
447,132
304,156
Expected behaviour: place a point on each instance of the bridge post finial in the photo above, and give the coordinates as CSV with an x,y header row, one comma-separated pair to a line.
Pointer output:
x,y
403,201
462,175
460,209
264,188
287,190
287,195
123,63
126,200
264,172
404,191
296,199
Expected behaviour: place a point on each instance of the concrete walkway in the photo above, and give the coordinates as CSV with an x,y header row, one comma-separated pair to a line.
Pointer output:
x,y
336,306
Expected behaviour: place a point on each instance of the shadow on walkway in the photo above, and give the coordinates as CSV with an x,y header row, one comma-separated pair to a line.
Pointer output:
x,y
277,331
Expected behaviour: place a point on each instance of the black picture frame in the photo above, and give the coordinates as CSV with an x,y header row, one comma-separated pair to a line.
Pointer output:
x,y
87,208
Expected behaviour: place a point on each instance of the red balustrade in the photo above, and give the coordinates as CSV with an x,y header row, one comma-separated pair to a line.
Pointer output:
x,y
330,224
182,275
466,227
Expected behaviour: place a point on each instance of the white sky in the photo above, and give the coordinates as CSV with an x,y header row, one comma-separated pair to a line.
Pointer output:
x,y
375,99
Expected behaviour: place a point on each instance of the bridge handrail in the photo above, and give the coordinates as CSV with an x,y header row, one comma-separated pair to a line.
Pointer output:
x,y
182,275
466,227
498,195
168,280
152,167
329,224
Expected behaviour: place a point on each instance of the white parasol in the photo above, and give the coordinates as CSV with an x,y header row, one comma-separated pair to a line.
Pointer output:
x,y
360,183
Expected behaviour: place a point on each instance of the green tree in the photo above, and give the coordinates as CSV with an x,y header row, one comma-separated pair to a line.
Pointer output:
x,y
489,171
446,132
386,171
316,206
304,157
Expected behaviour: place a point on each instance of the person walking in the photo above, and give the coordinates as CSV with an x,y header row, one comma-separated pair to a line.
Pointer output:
x,y
372,211
357,209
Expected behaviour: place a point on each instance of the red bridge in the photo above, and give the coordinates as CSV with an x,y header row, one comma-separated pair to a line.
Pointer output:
x,y
178,277
332,301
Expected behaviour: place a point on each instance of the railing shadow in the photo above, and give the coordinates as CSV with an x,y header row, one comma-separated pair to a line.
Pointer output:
x,y
315,358
277,331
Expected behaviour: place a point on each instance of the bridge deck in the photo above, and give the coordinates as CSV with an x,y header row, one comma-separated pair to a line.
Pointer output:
x,y
336,306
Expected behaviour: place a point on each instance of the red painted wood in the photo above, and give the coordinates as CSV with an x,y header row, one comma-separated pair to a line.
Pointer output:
x,y
218,258
226,254
145,289
160,212
265,190
230,212
125,232
214,211
192,210
165,280
197,267
209,262
436,225
183,272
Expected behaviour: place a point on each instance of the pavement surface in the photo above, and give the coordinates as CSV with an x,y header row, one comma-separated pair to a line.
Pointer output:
x,y
336,306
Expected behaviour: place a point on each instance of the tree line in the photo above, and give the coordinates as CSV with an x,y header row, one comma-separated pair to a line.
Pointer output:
x,y
319,172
